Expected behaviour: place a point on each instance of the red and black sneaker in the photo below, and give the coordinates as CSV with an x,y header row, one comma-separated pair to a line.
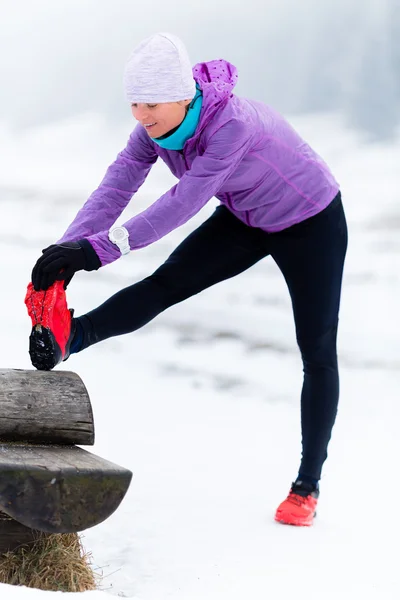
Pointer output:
x,y
52,326
300,506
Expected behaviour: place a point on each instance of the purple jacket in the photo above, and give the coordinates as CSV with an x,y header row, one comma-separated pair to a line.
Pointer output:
x,y
243,152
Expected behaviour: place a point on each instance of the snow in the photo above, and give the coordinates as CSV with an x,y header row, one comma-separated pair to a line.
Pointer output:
x,y
203,403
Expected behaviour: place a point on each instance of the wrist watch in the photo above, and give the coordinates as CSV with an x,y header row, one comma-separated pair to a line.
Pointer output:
x,y
120,237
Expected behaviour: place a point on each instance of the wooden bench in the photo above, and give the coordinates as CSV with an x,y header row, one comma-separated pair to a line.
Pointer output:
x,y
47,483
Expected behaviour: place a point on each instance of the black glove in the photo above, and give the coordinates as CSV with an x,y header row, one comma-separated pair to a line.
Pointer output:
x,y
62,261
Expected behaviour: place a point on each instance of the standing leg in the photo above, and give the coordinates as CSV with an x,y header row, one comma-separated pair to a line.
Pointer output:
x,y
311,257
220,248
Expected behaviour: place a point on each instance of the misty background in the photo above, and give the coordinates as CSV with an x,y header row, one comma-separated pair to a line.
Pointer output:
x,y
202,404
59,59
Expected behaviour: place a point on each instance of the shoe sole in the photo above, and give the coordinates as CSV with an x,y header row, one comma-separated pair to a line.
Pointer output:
x,y
294,524
43,349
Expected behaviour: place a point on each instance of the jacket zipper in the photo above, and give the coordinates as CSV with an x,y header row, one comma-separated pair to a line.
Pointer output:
x,y
184,158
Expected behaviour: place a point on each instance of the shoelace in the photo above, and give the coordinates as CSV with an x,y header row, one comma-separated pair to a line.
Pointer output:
x,y
297,499
33,307
44,300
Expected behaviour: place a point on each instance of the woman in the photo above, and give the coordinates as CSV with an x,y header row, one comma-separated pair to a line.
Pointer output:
x,y
277,198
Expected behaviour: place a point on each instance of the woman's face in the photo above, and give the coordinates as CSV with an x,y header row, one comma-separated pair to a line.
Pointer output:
x,y
158,119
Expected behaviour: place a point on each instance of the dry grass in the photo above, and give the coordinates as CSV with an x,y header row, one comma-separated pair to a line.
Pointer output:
x,y
54,563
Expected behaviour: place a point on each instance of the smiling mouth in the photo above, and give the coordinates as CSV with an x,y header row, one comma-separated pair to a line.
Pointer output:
x,y
149,125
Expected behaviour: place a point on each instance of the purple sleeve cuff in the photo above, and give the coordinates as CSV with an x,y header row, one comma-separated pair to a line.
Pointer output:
x,y
105,250
141,234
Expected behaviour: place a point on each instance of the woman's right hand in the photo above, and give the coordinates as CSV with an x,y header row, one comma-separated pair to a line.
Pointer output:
x,y
60,262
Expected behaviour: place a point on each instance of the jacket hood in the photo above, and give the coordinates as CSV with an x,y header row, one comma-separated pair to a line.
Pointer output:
x,y
216,79
218,76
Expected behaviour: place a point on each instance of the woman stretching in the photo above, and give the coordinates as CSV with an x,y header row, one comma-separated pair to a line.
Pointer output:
x,y
278,199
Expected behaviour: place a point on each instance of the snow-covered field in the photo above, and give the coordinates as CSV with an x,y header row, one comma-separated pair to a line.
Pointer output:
x,y
203,403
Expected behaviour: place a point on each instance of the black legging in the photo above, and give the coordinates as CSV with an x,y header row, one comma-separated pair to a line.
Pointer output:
x,y
310,255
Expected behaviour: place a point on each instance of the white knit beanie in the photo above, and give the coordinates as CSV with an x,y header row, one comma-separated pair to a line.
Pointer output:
x,y
159,70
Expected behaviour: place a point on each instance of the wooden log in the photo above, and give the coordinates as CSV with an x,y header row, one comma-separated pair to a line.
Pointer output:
x,y
59,489
45,407
14,534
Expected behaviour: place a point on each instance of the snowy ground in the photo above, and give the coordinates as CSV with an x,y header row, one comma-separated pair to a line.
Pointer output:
x,y
203,403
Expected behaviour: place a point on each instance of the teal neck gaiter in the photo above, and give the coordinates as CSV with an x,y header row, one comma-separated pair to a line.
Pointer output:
x,y
178,137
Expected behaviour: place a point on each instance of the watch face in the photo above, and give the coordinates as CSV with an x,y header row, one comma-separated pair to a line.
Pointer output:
x,y
119,234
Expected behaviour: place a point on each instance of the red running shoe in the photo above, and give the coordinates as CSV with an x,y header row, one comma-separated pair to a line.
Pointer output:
x,y
299,508
51,326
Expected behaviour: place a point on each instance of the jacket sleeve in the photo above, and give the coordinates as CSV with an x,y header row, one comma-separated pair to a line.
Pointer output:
x,y
122,179
224,151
